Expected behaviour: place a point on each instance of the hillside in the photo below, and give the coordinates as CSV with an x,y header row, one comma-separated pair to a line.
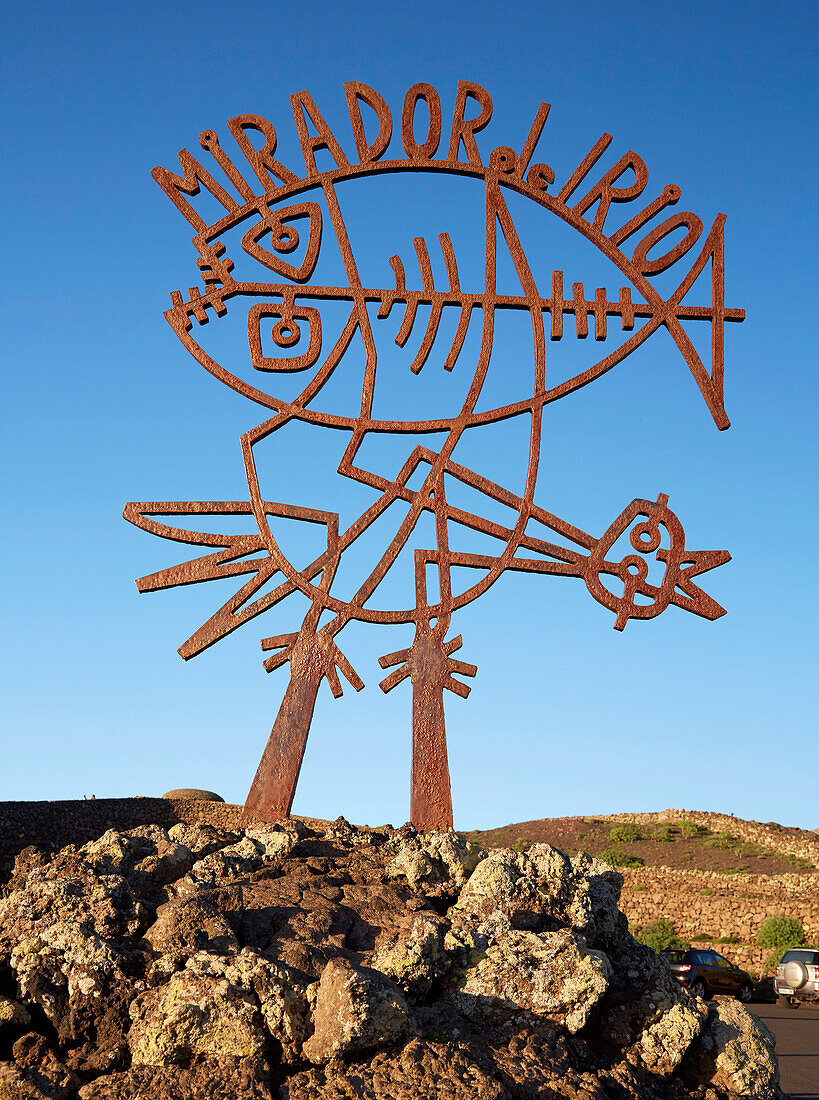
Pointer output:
x,y
689,841
715,877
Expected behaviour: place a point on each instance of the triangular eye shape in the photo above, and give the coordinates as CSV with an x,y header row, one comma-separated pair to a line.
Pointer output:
x,y
282,237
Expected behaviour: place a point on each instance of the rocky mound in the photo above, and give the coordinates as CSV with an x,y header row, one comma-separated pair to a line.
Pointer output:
x,y
285,962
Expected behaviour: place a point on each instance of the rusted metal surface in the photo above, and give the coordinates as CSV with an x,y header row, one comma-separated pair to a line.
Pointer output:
x,y
283,230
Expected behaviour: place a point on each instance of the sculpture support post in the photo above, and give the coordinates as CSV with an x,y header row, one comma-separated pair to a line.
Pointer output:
x,y
273,788
430,794
312,657
429,664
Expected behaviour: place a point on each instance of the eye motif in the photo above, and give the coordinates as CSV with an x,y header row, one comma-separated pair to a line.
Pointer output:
x,y
285,333
284,239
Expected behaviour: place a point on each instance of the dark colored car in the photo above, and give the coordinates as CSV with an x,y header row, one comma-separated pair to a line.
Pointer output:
x,y
705,973
797,977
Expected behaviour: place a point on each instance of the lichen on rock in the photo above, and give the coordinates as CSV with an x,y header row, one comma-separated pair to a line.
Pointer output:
x,y
664,1042
549,974
542,889
194,1014
736,1053
436,860
280,993
356,1009
13,1014
417,960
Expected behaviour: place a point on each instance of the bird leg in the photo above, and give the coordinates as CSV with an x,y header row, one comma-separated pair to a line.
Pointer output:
x,y
313,657
429,665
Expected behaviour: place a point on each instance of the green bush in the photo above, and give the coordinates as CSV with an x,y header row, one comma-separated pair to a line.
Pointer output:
x,y
703,937
522,844
439,1038
660,934
663,832
707,892
624,834
799,862
781,932
639,886
688,828
735,844
724,840
728,939
620,859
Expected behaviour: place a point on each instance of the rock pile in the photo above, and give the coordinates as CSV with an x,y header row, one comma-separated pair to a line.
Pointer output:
x,y
282,962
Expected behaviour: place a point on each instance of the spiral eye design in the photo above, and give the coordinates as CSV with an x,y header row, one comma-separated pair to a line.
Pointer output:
x,y
645,537
286,333
634,566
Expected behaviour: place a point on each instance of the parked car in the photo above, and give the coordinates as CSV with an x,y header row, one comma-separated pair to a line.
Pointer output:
x,y
797,977
705,973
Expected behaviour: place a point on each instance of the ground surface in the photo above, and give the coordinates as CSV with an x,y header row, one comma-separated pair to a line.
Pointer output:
x,y
797,1046
685,846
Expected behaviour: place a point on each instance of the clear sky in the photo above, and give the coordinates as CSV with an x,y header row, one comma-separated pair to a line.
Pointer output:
x,y
103,405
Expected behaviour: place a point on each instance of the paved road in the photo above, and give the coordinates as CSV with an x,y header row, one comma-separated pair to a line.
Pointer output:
x,y
797,1046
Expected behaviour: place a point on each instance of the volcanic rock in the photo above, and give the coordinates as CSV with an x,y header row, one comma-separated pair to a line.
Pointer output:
x,y
442,862
736,1053
417,960
13,1014
295,963
194,1014
355,1009
221,1078
203,921
551,975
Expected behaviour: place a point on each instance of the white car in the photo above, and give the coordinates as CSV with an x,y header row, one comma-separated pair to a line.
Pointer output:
x,y
797,977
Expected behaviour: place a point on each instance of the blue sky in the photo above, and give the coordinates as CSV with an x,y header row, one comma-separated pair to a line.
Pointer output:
x,y
103,405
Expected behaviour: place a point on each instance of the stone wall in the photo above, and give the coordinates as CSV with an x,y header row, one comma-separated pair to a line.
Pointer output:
x,y
705,902
786,841
52,825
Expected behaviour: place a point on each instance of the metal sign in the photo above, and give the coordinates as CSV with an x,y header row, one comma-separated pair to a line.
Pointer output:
x,y
277,215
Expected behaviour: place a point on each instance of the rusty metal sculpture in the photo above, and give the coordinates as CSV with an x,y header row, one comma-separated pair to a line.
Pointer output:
x,y
281,226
